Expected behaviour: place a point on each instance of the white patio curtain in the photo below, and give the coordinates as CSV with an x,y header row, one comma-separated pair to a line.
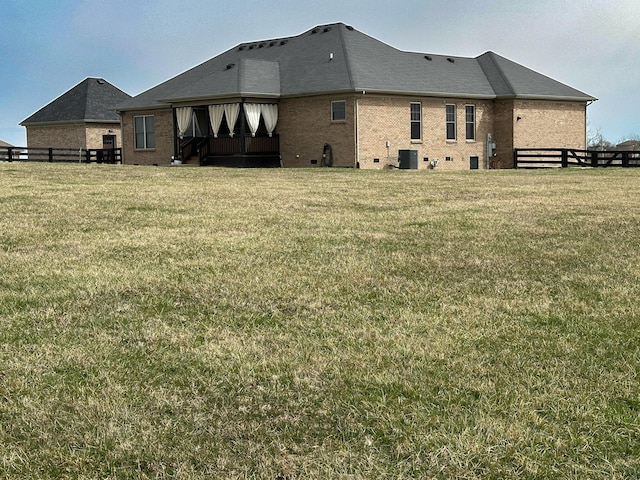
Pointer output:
x,y
231,111
183,116
270,116
215,118
252,112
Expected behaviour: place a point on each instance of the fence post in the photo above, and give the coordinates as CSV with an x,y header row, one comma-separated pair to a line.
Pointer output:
x,y
515,158
625,159
565,158
594,158
50,154
87,155
10,154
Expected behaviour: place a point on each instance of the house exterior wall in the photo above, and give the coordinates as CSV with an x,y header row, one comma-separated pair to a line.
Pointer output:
x,y
503,123
384,127
305,126
73,135
56,136
545,124
164,135
95,132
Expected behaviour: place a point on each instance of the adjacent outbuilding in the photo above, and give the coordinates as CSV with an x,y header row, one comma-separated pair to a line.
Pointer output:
x,y
83,117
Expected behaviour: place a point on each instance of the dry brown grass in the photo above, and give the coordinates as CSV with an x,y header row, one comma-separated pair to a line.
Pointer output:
x,y
211,323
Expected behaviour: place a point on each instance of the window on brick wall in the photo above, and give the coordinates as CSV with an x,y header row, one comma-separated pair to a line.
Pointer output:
x,y
416,121
470,122
451,121
338,111
144,132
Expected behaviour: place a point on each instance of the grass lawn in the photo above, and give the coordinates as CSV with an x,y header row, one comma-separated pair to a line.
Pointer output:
x,y
317,324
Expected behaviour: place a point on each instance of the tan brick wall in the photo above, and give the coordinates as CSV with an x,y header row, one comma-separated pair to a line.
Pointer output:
x,y
96,131
384,128
305,125
549,124
503,122
78,135
163,126
56,136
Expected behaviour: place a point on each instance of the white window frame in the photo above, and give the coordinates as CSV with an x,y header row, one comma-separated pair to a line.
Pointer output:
x,y
338,111
467,123
417,120
449,122
146,136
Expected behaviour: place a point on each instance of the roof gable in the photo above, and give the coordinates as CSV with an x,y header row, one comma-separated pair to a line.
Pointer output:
x,y
338,58
92,100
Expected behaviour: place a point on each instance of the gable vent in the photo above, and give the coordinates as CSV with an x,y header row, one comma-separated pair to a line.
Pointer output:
x,y
428,57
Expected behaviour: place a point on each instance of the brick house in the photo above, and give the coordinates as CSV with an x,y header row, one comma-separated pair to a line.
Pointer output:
x,y
83,117
333,95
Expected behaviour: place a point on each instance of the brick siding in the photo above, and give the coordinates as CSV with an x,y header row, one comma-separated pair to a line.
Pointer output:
x,y
384,128
72,135
305,126
163,127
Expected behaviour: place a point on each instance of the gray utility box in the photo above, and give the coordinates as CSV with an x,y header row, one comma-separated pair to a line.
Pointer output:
x,y
408,159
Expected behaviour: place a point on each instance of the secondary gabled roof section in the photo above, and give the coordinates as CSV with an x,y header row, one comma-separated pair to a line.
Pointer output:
x,y
92,100
338,58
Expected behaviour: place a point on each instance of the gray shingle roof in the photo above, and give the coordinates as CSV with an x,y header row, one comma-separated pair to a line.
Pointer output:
x,y
337,58
92,100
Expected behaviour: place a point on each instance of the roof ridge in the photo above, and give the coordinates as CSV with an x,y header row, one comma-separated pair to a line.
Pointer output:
x,y
492,58
346,54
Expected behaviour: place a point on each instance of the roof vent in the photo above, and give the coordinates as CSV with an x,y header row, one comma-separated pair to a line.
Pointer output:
x,y
450,60
271,44
315,30
251,47
284,42
230,66
428,57
350,28
241,48
326,29
100,81
262,45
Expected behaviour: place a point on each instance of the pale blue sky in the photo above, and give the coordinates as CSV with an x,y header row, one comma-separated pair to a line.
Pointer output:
x,y
47,47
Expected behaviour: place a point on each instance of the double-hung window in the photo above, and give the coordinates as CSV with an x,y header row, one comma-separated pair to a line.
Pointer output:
x,y
416,121
144,132
451,121
470,122
339,111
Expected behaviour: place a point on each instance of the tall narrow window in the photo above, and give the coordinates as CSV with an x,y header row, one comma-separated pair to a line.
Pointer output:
x,y
416,121
144,132
451,121
338,111
470,121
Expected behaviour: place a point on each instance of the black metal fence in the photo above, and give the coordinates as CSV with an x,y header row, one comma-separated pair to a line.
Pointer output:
x,y
69,155
566,157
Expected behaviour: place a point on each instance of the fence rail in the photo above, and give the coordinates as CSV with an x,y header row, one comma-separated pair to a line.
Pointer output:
x,y
566,157
69,155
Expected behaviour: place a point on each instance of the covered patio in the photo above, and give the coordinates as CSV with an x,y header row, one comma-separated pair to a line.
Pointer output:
x,y
237,134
